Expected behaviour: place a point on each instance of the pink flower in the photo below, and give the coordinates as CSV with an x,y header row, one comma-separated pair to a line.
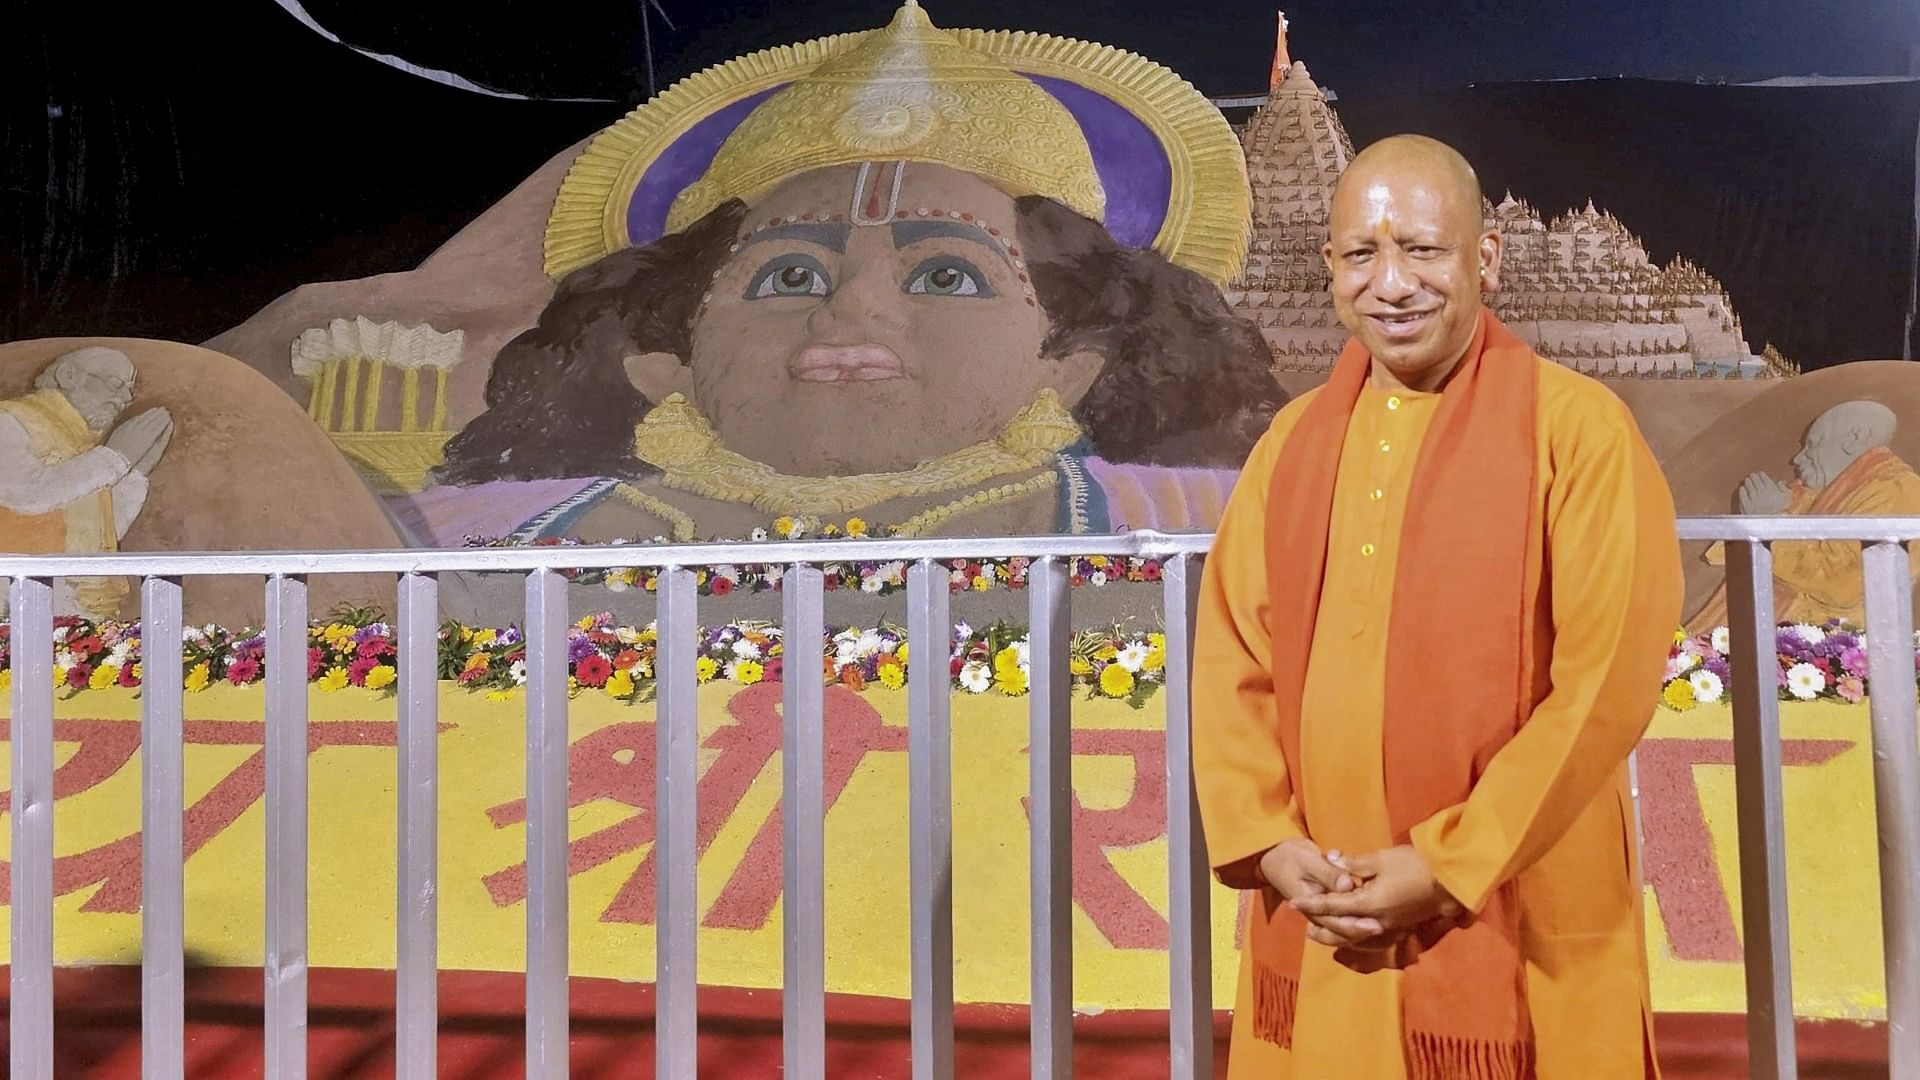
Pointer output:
x,y
374,648
128,678
78,674
243,670
1851,689
357,671
316,659
1854,660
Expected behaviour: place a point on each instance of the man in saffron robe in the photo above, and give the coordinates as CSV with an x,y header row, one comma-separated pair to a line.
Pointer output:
x,y
1844,468
1431,631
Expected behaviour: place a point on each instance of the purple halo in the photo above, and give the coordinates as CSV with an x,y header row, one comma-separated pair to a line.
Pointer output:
x,y
1132,164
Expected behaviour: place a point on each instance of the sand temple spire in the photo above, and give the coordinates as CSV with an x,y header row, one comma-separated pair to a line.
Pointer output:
x,y
1282,62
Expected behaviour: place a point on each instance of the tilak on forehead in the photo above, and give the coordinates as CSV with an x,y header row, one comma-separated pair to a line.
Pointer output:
x,y
1109,134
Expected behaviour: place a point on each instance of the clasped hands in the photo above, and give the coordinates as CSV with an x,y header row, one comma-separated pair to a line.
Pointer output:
x,y
1376,910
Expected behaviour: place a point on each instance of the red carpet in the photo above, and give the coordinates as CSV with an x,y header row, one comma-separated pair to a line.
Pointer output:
x,y
351,1033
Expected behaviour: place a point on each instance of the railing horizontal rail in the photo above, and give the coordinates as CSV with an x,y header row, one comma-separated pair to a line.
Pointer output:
x,y
1145,544
1768,529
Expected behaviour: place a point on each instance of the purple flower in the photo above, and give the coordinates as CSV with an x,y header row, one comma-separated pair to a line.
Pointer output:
x,y
371,631
1855,661
579,648
1719,666
509,636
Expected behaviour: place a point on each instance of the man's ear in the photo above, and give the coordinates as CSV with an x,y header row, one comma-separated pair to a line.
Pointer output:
x,y
1073,375
659,375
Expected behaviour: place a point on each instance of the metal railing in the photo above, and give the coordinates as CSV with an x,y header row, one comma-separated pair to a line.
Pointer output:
x,y
1896,748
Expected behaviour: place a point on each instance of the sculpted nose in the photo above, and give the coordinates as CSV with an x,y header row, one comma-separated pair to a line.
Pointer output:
x,y
863,304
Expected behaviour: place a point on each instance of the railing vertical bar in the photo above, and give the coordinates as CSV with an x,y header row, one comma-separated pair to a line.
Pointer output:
x,y
930,818
416,921
1189,907
1050,818
286,807
676,762
162,802
803,825
1757,792
30,1003
1896,791
546,636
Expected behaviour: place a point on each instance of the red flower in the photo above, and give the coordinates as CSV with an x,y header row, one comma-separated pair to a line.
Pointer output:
x,y
773,669
85,646
1151,571
720,586
851,678
316,659
242,671
953,669
357,671
375,648
593,671
78,674
128,678
832,583
625,659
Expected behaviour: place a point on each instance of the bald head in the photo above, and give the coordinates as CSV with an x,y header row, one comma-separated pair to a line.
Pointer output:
x,y
1409,255
1407,160
1838,438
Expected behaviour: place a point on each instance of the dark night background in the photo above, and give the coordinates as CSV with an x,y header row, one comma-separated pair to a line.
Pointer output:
x,y
169,169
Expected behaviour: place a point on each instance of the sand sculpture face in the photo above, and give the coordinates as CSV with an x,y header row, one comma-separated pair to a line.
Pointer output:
x,y
1839,437
824,347
97,382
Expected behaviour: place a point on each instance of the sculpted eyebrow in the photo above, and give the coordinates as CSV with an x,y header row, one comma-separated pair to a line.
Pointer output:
x,y
912,232
831,235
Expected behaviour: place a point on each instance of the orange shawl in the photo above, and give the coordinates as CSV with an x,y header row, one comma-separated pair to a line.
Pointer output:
x,y
1453,698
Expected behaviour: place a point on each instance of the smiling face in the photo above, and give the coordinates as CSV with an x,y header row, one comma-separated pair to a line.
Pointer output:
x,y
1409,257
829,348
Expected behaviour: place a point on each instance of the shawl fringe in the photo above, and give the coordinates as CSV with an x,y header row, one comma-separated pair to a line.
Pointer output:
x,y
1275,998
1445,1057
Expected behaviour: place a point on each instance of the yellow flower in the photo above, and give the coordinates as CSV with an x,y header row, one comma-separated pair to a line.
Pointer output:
x,y
1679,637
1156,658
1007,659
496,695
1080,665
198,678
334,679
335,633
586,623
747,672
1116,681
138,672
982,583
619,685
484,638
783,528
6,680
102,677
1106,652
651,633
381,676
901,652
1010,681
856,527
704,668
59,676
1678,695
893,677
478,662
1099,562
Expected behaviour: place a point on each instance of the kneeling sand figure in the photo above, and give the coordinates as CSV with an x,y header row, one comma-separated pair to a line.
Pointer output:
x,y
70,481
1844,468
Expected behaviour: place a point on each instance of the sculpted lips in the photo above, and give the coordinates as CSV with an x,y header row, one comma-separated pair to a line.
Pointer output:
x,y
846,363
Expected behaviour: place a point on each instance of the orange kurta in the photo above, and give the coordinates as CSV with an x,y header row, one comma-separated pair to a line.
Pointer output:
x,y
1553,808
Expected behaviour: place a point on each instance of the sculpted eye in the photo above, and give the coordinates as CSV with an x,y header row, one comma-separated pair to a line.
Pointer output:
x,y
948,275
790,275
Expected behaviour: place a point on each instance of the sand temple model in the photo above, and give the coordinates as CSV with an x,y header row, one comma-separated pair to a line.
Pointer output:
x,y
1579,288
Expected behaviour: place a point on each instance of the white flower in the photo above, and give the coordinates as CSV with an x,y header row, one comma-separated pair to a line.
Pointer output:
x,y
1023,651
60,633
976,677
627,635
962,630
1679,664
746,650
617,582
1707,686
1810,634
118,657
759,534
1722,640
64,658
730,671
1099,578
872,583
1805,681
773,574
518,672
871,642
1133,657
725,570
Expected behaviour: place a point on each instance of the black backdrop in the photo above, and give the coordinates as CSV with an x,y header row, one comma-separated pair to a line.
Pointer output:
x,y
157,181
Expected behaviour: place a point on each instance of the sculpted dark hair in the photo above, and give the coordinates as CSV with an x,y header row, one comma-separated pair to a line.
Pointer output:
x,y
1185,381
